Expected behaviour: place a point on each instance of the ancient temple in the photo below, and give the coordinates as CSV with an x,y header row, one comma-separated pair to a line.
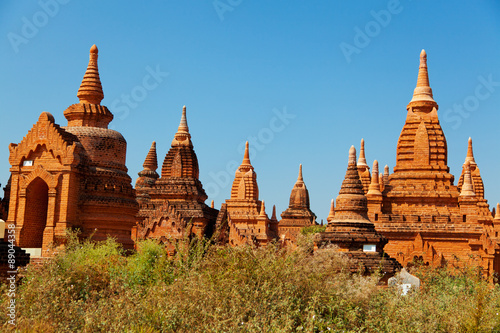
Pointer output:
x,y
73,176
243,219
350,229
298,214
422,213
173,206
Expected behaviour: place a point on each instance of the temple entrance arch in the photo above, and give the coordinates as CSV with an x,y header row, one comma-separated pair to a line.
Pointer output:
x,y
35,216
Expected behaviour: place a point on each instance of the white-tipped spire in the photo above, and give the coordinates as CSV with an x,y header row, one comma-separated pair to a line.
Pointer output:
x,y
352,156
470,153
183,126
422,95
362,158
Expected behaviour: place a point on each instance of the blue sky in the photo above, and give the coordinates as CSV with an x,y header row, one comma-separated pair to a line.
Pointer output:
x,y
303,81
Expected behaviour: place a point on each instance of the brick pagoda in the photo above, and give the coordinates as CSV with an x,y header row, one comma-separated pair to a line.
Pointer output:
x,y
73,176
173,206
350,229
422,213
243,219
298,214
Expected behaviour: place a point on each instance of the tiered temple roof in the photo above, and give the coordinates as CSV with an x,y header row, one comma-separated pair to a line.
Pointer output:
x,y
178,187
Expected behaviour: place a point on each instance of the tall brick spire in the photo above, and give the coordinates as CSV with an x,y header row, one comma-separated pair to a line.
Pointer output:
x,y
422,95
181,160
363,168
362,158
470,154
151,161
182,137
245,180
245,164
91,89
148,175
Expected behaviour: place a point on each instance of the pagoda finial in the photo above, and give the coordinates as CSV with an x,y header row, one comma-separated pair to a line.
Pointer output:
x,y
151,161
374,187
150,164
497,212
212,205
422,95
362,158
183,126
467,187
263,209
273,217
299,178
182,137
331,214
470,153
352,156
245,164
91,89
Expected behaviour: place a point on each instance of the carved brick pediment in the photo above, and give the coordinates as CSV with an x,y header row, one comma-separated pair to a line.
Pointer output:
x,y
164,220
40,172
45,132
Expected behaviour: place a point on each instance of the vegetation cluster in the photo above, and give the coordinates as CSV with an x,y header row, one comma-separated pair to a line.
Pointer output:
x,y
97,287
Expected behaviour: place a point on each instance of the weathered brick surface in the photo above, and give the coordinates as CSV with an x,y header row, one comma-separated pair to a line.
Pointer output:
x,y
173,206
298,214
247,221
350,229
73,176
422,213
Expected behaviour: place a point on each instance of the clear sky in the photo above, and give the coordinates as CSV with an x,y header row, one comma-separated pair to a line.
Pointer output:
x,y
302,80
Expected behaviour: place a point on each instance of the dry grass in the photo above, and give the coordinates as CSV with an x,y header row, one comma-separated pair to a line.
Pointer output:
x,y
93,287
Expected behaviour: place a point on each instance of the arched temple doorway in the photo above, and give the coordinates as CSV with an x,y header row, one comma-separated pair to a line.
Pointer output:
x,y
37,199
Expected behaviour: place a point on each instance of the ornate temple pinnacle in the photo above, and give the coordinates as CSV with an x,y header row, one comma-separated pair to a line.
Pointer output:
x,y
470,153
362,158
299,178
151,161
245,164
374,188
422,95
273,216
467,187
91,89
182,137
352,156
183,126
263,209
